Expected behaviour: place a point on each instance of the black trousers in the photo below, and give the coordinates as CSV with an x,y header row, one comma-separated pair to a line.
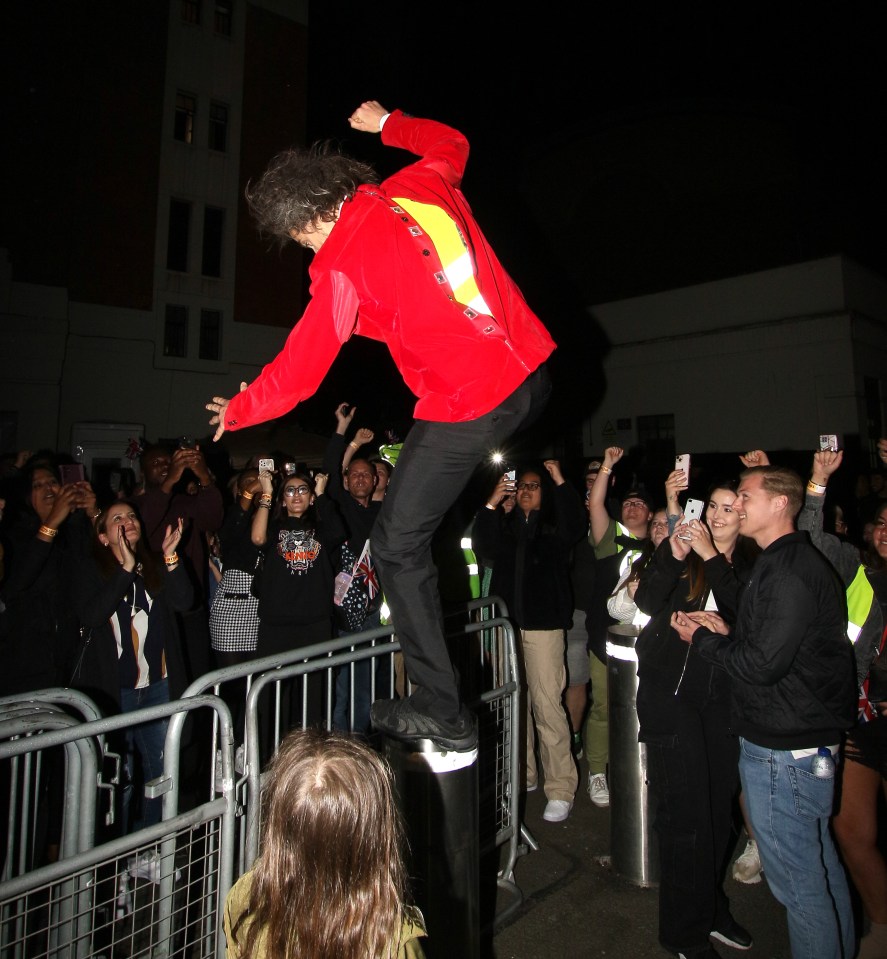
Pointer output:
x,y
433,468
693,764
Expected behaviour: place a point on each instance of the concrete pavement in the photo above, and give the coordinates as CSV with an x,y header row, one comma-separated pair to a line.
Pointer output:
x,y
574,904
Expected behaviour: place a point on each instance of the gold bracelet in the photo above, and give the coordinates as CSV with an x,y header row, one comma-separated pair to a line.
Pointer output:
x,y
490,506
815,488
171,560
266,497
48,531
606,469
246,494
354,445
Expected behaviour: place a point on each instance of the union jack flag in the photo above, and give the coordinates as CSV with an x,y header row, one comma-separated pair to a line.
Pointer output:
x,y
366,570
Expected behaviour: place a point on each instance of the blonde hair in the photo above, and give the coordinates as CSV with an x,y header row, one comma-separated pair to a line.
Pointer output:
x,y
329,882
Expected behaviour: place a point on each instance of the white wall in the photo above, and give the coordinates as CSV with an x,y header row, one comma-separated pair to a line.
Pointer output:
x,y
767,360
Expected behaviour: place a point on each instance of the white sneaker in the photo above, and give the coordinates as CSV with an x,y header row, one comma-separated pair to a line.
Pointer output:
x,y
147,866
747,868
598,791
557,810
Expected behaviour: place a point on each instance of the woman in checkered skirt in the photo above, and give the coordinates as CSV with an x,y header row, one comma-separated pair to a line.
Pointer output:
x,y
234,618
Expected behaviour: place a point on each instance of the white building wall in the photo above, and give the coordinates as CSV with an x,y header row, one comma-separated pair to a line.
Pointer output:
x,y
768,360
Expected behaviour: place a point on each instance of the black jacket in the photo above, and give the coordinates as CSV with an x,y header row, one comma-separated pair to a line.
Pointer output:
x,y
794,684
531,558
40,631
663,588
97,671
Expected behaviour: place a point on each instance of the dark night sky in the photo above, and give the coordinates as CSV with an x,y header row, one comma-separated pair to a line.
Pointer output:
x,y
515,84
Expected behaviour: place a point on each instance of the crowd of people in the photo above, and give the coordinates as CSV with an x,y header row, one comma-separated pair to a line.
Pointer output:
x,y
748,673
131,597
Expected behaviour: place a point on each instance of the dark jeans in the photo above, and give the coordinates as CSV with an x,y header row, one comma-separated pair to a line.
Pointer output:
x,y
354,684
434,467
301,698
693,764
149,739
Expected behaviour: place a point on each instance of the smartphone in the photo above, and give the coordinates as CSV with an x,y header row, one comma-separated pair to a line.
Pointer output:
x,y
828,441
511,476
288,468
266,465
187,443
693,510
72,473
682,462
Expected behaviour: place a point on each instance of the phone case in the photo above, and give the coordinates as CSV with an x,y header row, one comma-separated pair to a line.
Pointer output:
x,y
693,510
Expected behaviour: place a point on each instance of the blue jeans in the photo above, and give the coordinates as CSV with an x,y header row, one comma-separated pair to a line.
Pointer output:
x,y
789,809
435,465
362,687
149,739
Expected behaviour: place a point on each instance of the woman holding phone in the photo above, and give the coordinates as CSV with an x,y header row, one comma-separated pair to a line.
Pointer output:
x,y
683,707
299,530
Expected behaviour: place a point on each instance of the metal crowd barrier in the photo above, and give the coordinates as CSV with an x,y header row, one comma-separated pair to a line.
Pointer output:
x,y
482,642
104,898
157,891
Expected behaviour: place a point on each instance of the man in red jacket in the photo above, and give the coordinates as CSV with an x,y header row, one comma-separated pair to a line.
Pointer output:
x,y
404,262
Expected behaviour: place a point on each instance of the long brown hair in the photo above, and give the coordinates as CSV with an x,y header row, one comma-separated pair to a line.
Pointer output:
x,y
107,562
329,882
695,571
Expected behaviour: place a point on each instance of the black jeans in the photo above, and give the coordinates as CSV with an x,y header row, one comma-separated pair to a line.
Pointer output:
x,y
433,468
693,763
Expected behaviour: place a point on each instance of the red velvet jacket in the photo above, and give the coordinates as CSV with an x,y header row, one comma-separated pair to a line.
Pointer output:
x,y
377,274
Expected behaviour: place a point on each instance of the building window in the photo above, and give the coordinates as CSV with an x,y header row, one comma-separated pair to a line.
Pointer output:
x,y
213,222
224,16
175,330
177,241
183,126
656,438
210,334
218,127
191,11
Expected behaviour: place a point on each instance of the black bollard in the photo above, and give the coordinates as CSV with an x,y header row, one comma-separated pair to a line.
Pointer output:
x,y
437,793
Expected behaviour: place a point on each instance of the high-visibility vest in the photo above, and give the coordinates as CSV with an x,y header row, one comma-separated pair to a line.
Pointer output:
x,y
471,565
859,602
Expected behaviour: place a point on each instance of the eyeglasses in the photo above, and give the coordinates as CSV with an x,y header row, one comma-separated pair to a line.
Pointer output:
x,y
293,490
636,503
531,487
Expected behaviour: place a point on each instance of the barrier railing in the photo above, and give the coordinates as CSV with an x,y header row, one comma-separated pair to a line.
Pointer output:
x,y
156,891
160,890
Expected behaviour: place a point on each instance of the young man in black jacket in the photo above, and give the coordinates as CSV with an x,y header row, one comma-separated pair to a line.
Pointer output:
x,y
793,692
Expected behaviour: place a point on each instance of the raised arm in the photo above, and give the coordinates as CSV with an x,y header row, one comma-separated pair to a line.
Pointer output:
x,y
597,498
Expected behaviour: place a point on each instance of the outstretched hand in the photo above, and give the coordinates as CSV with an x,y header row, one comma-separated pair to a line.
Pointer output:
x,y
218,406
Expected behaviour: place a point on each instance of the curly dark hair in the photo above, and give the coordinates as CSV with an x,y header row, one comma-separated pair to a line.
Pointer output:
x,y
302,186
